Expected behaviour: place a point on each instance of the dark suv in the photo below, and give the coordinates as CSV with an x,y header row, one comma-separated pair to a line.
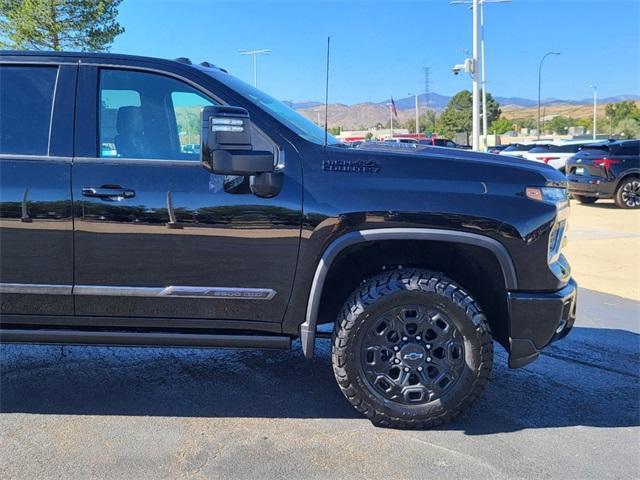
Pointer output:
x,y
114,233
606,171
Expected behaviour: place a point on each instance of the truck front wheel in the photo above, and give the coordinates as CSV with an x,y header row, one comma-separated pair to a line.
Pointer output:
x,y
411,349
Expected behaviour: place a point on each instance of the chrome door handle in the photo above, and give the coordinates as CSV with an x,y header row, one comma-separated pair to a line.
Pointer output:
x,y
108,193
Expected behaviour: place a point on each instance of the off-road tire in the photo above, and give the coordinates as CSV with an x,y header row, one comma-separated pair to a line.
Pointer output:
x,y
629,182
431,290
585,199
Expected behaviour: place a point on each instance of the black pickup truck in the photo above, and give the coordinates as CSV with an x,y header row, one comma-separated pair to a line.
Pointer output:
x,y
116,230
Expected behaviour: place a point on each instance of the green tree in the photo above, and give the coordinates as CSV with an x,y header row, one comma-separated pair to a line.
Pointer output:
x,y
560,124
629,127
621,110
500,126
587,123
526,122
427,121
457,116
334,130
368,136
87,25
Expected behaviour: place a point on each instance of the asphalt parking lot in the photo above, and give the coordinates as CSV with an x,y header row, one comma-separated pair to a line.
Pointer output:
x,y
77,412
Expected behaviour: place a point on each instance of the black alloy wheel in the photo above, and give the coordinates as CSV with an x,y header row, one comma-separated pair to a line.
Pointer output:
x,y
628,193
411,349
411,354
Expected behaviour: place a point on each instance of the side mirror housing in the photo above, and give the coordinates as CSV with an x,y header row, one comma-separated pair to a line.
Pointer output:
x,y
226,147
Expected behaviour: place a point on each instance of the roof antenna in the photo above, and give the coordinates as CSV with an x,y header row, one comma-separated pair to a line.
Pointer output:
x,y
326,97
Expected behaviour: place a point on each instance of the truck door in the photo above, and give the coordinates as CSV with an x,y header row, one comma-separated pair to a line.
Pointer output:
x,y
156,235
36,232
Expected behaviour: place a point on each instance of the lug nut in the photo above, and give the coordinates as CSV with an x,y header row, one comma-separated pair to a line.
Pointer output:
x,y
396,348
419,369
418,338
404,339
396,360
406,369
428,346
428,359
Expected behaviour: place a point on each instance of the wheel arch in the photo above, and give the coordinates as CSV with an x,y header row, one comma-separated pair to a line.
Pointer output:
x,y
633,172
490,246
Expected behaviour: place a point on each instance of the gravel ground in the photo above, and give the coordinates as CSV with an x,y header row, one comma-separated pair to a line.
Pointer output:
x,y
81,412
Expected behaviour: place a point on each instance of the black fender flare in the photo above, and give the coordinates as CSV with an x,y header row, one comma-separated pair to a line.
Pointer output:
x,y
308,327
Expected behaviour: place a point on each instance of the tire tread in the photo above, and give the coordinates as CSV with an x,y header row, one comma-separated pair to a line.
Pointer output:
x,y
386,284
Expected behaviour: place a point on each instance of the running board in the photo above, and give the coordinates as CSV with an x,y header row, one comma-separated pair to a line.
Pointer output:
x,y
145,339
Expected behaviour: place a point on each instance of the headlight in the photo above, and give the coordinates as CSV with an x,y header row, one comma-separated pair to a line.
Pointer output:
x,y
553,195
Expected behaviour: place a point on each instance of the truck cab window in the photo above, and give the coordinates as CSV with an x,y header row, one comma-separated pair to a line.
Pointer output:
x,y
144,115
26,98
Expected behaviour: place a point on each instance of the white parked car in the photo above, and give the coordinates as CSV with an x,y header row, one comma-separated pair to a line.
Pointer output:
x,y
400,140
556,154
519,149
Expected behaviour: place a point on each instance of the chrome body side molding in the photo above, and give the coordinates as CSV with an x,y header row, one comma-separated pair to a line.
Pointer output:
x,y
220,293
36,288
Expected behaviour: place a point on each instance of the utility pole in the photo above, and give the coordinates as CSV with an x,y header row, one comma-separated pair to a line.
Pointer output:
x,y
474,6
254,54
595,109
539,85
475,130
417,112
484,78
427,86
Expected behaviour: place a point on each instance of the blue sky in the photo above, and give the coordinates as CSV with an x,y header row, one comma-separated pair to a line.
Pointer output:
x,y
379,48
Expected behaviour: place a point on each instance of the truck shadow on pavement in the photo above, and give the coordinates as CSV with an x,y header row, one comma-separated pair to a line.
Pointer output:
x,y
592,378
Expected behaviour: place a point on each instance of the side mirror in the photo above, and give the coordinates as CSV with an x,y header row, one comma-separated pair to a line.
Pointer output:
x,y
226,147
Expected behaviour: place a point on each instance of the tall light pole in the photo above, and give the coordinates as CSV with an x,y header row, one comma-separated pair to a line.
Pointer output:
x,y
484,77
417,112
483,80
595,107
540,82
475,125
254,54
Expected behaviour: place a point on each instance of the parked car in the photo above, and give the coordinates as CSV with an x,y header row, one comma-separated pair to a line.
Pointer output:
x,y
496,149
606,171
273,228
442,142
400,140
190,148
557,154
517,149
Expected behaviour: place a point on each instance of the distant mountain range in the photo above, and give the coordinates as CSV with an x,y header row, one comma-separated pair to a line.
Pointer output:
x,y
368,114
439,102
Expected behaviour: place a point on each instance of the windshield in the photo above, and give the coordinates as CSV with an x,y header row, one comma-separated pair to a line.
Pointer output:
x,y
281,112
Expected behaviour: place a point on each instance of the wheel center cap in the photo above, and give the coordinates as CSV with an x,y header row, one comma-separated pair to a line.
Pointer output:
x,y
413,355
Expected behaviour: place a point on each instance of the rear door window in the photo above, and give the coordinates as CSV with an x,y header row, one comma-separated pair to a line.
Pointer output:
x,y
26,103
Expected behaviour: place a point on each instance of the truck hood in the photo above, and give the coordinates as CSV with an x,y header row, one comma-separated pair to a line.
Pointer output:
x,y
459,162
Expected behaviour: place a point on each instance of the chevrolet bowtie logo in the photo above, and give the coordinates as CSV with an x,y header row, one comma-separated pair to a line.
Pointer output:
x,y
413,356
